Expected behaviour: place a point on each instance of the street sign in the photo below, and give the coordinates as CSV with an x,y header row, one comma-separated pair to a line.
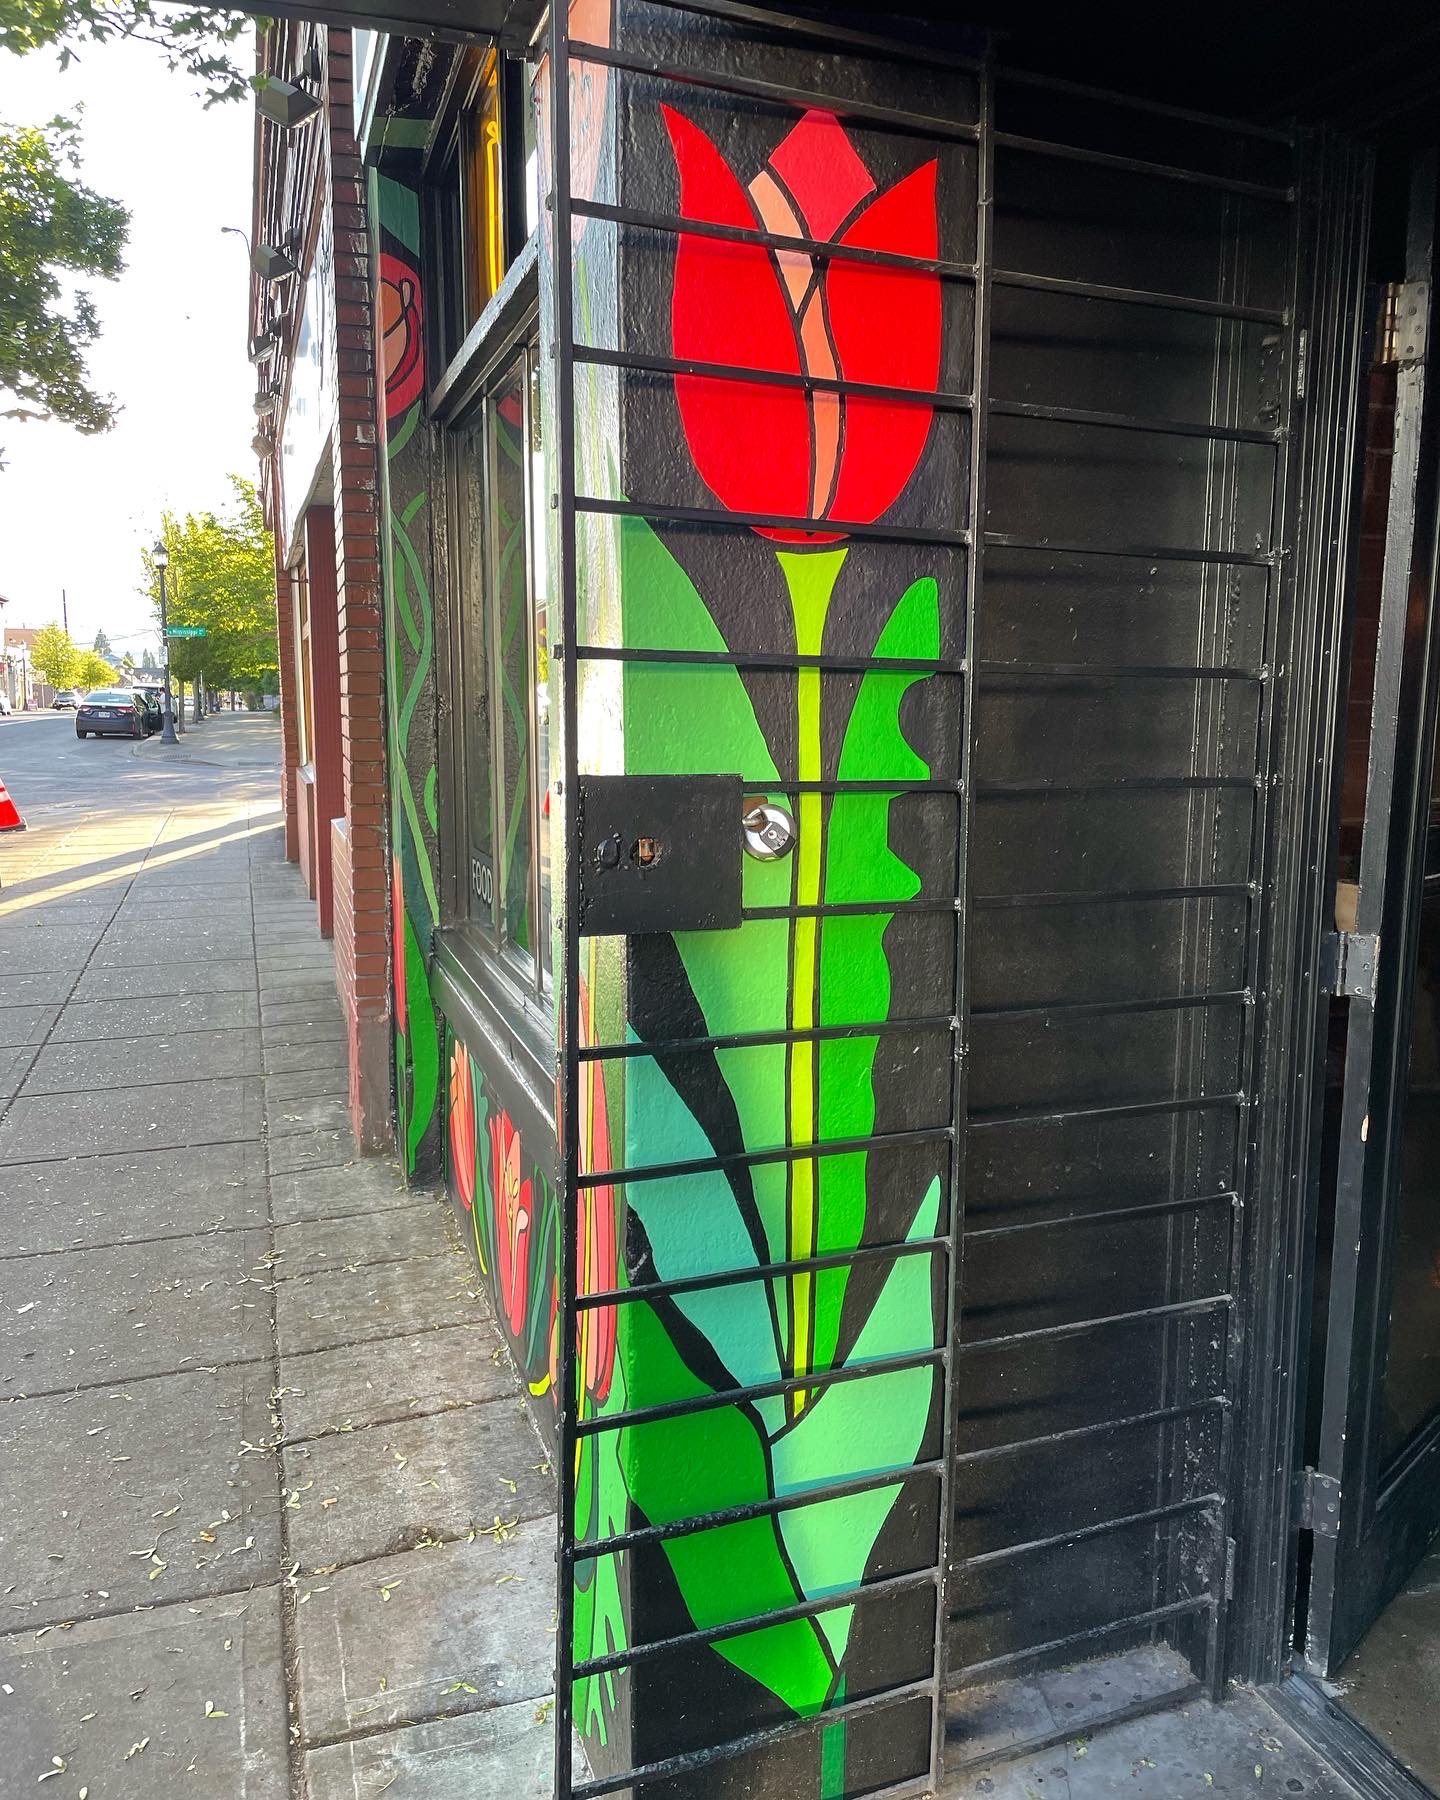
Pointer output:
x,y
188,631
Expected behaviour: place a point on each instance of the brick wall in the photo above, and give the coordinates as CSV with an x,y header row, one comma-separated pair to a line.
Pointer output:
x,y
362,896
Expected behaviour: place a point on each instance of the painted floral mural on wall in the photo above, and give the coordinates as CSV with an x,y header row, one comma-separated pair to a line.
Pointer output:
x,y
410,648
813,953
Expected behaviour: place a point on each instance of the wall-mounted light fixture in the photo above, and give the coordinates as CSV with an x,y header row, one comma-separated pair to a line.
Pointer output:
x,y
265,403
271,262
264,343
262,444
287,105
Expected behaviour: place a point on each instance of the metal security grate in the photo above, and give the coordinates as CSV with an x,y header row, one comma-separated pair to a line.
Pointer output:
x,y
1030,952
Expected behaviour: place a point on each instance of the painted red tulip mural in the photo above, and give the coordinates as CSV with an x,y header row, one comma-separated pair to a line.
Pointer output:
x,y
820,453
514,1217
462,1123
816,453
832,448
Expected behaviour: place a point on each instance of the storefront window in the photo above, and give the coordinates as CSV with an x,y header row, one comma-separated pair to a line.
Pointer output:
x,y
481,210
502,703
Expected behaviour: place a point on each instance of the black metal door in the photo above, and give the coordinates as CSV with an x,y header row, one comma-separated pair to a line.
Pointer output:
x,y
1373,1499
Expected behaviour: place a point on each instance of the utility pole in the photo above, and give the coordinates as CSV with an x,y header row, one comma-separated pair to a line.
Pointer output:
x,y
64,612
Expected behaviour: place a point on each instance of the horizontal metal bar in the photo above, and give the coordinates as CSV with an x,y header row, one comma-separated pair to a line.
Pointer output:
x,y
1202,890
1125,1109
1170,1309
1115,1215
768,1508
822,249
1075,1434
1161,1415
780,661
1135,165
1106,1009
776,93
831,35
1117,784
850,909
689,1760
748,1159
1154,1615
1112,421
727,1278
1058,84
760,1390
1154,1515
714,515
1036,671
1125,296
1249,559
778,785
936,398
758,1040
781,1615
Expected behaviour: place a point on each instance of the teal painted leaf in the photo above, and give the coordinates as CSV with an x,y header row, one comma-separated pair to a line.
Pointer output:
x,y
855,1428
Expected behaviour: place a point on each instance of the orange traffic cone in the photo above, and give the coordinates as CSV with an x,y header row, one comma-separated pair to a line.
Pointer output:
x,y
10,819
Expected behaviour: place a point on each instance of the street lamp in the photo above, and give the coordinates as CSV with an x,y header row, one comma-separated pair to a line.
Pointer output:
x,y
161,558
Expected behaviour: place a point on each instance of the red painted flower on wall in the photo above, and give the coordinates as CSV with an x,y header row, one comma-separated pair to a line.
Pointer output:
x,y
788,450
397,937
402,342
514,1218
462,1123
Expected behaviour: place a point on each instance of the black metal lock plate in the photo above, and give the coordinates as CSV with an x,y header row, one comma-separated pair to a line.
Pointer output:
x,y
659,853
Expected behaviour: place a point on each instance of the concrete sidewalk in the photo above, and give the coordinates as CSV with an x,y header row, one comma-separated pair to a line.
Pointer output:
x,y
273,1520
225,740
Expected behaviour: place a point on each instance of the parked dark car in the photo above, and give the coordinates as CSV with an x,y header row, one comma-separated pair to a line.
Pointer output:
x,y
154,717
111,712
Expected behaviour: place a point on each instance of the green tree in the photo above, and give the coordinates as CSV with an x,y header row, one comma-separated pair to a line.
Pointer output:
x,y
53,230
221,576
193,39
91,671
102,644
54,656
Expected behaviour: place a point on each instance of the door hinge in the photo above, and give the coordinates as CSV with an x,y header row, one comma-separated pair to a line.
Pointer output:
x,y
1302,361
1317,1503
1229,1568
1404,323
1347,964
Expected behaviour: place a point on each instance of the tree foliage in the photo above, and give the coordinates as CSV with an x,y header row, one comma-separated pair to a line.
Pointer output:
x,y
221,576
53,656
194,40
91,671
53,229
102,644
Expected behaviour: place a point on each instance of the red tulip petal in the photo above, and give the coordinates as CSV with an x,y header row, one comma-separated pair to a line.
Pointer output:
x,y
818,163
750,443
886,327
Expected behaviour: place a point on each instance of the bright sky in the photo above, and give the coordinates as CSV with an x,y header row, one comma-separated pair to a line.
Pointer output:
x,y
74,511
